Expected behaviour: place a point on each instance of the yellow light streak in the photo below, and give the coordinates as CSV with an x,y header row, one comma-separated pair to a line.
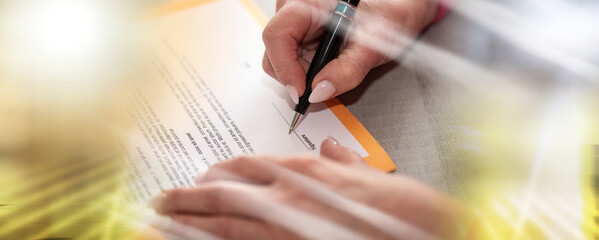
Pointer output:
x,y
551,212
40,176
547,230
69,220
490,230
63,201
511,219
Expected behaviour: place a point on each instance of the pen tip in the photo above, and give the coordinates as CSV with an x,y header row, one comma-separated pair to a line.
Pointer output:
x,y
296,118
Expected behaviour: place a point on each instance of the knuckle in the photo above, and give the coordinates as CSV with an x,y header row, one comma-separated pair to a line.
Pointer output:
x,y
292,197
266,64
241,160
214,195
280,4
173,196
296,5
215,191
219,165
266,33
354,73
270,34
286,21
305,164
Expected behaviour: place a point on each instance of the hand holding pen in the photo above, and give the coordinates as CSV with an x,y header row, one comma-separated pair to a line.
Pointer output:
x,y
294,33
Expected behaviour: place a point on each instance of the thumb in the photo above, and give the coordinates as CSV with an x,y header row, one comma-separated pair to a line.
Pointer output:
x,y
345,72
331,149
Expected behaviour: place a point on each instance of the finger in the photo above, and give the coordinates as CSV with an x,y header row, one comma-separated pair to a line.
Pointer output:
x,y
280,4
170,229
305,62
345,72
246,168
262,206
295,23
262,169
267,66
228,227
217,197
331,149
281,38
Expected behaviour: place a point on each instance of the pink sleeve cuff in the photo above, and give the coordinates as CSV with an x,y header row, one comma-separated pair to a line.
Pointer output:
x,y
444,6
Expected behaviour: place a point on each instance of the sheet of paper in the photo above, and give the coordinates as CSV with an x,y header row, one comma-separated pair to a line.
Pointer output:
x,y
206,99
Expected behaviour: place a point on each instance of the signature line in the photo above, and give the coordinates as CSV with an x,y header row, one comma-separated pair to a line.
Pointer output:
x,y
301,140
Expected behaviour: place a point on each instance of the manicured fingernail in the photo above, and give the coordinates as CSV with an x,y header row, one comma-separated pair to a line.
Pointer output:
x,y
323,91
157,201
293,93
333,140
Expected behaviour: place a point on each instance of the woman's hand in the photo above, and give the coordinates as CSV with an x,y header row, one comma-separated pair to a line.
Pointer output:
x,y
381,29
335,196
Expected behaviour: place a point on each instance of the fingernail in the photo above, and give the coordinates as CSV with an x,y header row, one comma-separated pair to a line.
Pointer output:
x,y
293,93
157,201
333,140
323,91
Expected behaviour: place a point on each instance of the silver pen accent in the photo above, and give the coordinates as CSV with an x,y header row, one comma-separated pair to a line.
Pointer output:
x,y
296,117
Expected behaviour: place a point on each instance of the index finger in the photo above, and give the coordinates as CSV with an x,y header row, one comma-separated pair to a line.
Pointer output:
x,y
295,22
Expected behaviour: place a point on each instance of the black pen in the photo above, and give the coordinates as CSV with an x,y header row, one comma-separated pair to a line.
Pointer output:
x,y
327,50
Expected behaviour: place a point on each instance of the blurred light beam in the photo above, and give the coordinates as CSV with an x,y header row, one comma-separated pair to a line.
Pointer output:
x,y
66,28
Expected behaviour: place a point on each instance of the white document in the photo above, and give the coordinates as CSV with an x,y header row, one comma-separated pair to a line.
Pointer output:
x,y
206,99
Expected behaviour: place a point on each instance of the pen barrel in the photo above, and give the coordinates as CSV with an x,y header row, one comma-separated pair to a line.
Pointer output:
x,y
328,49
